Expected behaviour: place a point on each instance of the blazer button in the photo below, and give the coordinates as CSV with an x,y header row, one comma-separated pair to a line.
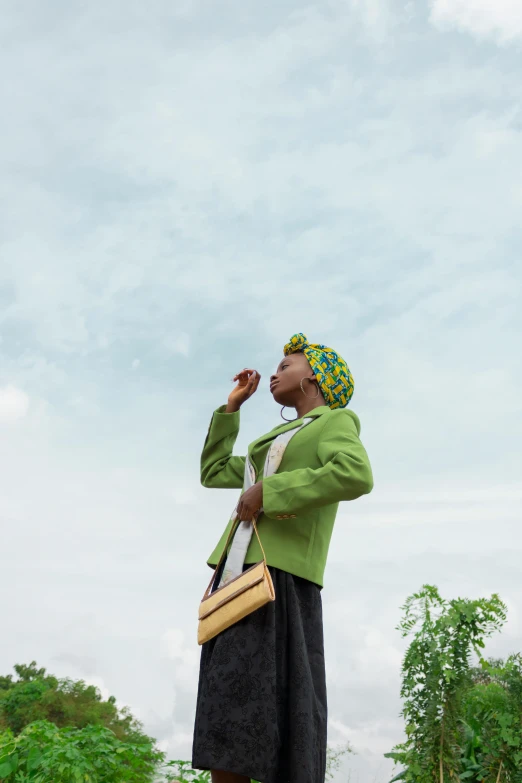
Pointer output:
x,y
278,517
292,516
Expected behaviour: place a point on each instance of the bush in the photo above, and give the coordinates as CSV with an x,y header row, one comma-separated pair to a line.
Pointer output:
x,y
42,753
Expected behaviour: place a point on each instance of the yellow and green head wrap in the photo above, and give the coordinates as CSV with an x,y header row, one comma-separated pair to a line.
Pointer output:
x,y
331,371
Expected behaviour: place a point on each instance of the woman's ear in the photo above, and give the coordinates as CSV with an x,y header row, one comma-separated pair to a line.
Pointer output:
x,y
312,378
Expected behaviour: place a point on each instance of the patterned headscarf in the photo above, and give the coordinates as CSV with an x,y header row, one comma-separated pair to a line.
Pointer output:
x,y
331,371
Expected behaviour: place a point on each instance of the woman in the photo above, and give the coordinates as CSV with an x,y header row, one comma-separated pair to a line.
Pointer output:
x,y
261,710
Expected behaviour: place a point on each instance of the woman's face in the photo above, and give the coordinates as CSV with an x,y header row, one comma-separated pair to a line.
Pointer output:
x,y
285,384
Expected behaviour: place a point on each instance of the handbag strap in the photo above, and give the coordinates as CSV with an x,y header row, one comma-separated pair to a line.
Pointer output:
x,y
224,552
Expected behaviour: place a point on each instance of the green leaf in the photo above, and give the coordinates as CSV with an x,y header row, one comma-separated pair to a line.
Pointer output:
x,y
14,762
5,769
33,759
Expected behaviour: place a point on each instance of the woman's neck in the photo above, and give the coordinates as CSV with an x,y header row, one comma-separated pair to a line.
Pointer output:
x,y
308,404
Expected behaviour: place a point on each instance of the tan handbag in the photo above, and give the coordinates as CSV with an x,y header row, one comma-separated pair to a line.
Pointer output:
x,y
240,597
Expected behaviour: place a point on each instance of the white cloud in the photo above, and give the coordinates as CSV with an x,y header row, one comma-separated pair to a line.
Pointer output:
x,y
183,494
498,19
14,404
186,656
84,406
178,343
377,737
374,14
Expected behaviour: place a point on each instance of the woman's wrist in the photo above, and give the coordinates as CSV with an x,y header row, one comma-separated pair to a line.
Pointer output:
x,y
232,407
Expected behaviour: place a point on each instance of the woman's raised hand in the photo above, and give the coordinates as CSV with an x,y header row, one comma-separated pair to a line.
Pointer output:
x,y
247,383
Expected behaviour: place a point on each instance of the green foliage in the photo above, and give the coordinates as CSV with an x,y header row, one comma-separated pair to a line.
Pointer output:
x,y
37,696
42,752
182,771
334,758
492,723
436,676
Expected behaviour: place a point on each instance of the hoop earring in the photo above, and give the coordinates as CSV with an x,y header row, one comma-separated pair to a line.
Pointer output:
x,y
284,417
307,395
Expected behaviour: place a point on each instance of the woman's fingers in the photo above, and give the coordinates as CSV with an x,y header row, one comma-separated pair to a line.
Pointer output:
x,y
248,381
253,382
244,511
242,377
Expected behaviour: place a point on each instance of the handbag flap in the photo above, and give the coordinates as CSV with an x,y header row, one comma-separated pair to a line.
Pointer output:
x,y
235,587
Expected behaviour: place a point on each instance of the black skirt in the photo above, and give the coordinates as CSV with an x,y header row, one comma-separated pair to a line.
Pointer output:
x,y
261,708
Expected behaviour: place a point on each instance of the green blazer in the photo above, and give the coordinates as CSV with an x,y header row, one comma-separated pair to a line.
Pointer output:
x,y
323,464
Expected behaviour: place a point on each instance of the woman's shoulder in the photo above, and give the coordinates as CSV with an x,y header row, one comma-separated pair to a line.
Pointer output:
x,y
345,417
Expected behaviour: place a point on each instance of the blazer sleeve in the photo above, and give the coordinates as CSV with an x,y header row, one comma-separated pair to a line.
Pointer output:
x,y
219,469
345,472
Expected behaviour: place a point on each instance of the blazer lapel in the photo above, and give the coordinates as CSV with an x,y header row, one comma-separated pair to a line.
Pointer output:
x,y
270,436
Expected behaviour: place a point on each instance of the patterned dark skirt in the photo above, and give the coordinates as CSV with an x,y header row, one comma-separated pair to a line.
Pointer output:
x,y
261,708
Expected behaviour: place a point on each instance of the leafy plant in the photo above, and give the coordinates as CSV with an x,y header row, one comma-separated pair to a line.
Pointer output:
x,y
36,695
334,758
183,772
42,752
493,717
435,679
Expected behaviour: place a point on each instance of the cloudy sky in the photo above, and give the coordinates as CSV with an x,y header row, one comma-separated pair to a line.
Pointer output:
x,y
184,185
